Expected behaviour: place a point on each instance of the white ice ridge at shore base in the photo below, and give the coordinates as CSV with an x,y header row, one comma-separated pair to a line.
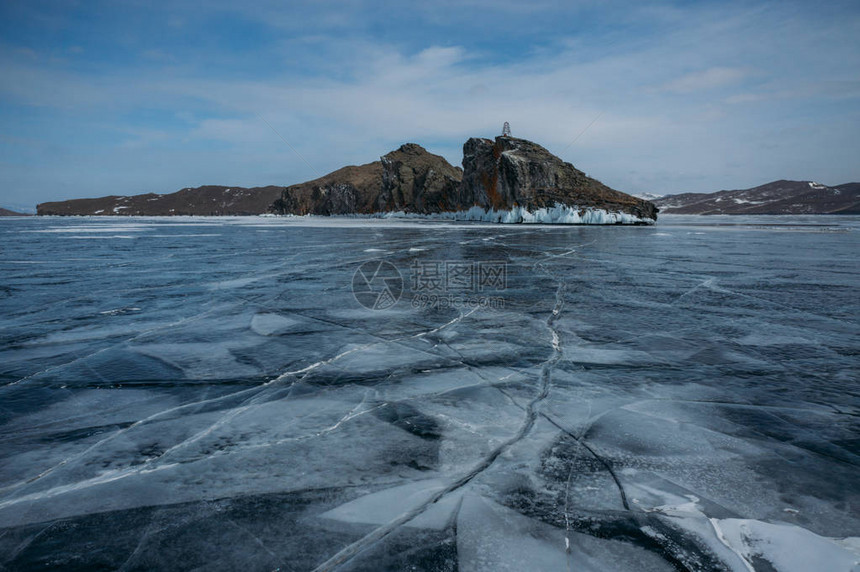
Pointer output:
x,y
559,214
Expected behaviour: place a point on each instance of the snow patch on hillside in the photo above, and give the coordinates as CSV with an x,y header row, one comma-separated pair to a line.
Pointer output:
x,y
648,196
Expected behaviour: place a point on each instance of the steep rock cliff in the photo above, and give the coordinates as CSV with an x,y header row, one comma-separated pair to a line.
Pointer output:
x,y
511,172
409,179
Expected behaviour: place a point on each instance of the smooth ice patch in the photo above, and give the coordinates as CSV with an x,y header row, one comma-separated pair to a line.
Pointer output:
x,y
385,506
272,324
199,360
756,339
101,228
600,356
125,236
786,547
491,537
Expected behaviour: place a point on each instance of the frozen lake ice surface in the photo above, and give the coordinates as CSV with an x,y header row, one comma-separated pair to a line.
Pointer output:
x,y
352,394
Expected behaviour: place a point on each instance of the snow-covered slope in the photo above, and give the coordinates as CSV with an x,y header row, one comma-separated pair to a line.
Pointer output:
x,y
778,197
647,196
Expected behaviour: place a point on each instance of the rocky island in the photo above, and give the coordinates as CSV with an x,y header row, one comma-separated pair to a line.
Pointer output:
x,y
503,180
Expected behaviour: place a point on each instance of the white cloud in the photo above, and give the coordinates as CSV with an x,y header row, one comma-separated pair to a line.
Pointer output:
x,y
710,78
688,133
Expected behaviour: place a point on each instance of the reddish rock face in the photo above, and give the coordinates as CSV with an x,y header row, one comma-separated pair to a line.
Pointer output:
x,y
511,172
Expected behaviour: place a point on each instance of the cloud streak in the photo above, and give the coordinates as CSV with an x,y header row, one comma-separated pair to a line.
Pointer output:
x,y
710,78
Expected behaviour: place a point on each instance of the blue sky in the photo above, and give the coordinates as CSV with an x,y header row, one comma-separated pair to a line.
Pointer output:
x,y
104,98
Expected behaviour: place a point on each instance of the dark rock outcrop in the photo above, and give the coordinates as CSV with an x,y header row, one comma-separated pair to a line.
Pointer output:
x,y
348,190
778,197
204,201
417,181
511,172
409,179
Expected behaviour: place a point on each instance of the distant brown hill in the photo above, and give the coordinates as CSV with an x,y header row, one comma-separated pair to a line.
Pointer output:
x,y
778,197
7,212
208,200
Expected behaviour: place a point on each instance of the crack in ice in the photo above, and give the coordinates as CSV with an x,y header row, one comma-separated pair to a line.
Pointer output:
x,y
348,552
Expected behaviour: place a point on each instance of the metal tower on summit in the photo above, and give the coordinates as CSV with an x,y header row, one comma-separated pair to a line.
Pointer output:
x,y
506,129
